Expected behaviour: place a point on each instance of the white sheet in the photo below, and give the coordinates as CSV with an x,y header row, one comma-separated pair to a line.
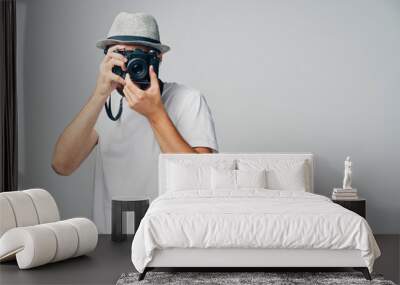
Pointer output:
x,y
250,218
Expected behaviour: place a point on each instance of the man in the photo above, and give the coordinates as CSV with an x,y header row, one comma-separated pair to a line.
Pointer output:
x,y
176,121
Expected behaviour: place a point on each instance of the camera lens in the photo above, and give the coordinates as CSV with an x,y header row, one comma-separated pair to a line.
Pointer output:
x,y
137,69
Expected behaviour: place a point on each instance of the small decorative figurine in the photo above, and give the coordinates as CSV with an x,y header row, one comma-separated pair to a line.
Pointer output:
x,y
347,174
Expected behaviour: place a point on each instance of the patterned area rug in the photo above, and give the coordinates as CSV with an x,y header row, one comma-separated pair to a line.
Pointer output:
x,y
230,278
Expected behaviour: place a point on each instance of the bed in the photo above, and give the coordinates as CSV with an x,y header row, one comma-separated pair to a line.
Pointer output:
x,y
247,211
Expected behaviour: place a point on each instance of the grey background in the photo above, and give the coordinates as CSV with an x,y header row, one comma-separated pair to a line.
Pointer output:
x,y
279,76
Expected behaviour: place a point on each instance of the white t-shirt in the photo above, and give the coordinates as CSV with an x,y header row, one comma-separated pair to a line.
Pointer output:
x,y
127,151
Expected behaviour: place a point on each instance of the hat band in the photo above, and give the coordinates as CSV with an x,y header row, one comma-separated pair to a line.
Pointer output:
x,y
133,39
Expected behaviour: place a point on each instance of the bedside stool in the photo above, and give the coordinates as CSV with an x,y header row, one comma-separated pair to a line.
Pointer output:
x,y
358,206
126,204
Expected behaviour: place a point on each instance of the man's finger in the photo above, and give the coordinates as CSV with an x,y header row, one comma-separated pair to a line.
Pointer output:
x,y
117,78
112,54
117,62
117,56
114,48
153,78
132,86
131,97
128,97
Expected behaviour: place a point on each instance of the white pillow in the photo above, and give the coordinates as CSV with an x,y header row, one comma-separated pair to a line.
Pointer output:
x,y
282,174
193,174
251,178
237,179
223,179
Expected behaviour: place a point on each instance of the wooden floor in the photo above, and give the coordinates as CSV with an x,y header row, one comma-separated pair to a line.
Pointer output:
x,y
110,260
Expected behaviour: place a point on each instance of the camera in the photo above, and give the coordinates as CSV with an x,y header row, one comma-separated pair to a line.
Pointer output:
x,y
137,65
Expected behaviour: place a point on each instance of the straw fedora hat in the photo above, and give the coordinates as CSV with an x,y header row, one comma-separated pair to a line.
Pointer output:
x,y
135,28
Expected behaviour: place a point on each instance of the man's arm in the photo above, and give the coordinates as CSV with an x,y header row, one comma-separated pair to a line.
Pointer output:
x,y
79,137
168,137
148,103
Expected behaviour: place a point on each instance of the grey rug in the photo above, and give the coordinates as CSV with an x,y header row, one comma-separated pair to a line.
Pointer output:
x,y
225,278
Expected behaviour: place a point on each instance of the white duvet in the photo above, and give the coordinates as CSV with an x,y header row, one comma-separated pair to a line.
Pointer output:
x,y
251,218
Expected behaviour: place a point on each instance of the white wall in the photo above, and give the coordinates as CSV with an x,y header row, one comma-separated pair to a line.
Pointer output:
x,y
309,75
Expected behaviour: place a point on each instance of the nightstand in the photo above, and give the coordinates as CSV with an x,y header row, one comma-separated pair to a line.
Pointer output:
x,y
358,206
126,204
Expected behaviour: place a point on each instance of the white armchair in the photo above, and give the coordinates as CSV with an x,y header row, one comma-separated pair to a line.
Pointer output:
x,y
32,233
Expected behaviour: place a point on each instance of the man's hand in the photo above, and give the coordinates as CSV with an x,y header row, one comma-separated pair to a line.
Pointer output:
x,y
107,81
146,102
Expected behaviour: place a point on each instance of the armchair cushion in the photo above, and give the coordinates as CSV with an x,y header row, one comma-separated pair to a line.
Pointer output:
x,y
40,244
27,208
30,230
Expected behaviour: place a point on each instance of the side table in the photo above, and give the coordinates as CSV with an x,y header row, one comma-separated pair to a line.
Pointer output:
x,y
358,206
126,204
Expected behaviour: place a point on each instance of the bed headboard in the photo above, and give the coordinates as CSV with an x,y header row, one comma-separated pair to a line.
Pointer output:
x,y
163,158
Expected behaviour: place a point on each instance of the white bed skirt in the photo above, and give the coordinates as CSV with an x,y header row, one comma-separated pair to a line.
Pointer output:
x,y
236,257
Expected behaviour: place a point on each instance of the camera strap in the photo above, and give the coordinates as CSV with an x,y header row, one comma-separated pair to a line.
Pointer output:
x,y
116,117
109,111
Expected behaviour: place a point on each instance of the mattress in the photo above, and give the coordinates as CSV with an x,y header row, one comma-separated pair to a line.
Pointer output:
x,y
250,219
